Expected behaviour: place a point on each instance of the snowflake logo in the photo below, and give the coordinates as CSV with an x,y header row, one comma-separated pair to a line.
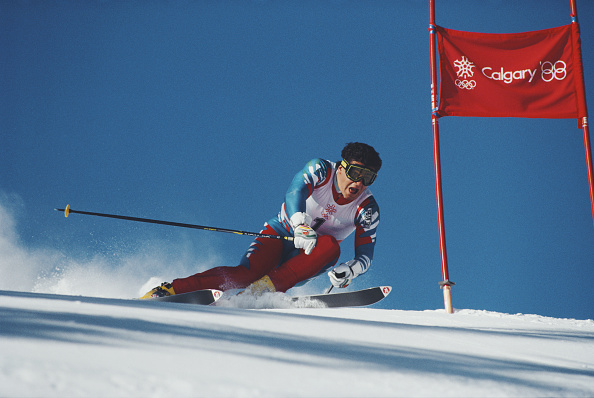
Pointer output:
x,y
464,67
328,211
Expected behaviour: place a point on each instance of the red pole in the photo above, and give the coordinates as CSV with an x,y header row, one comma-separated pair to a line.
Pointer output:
x,y
589,162
585,128
445,284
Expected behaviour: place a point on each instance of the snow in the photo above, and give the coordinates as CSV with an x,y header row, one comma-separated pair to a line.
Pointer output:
x,y
76,346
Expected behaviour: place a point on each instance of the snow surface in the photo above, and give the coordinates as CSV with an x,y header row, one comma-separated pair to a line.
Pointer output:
x,y
75,346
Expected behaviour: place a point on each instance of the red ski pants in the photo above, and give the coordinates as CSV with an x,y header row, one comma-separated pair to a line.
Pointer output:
x,y
285,265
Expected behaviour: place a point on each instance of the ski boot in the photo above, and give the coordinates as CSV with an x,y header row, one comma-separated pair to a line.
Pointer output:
x,y
166,289
259,287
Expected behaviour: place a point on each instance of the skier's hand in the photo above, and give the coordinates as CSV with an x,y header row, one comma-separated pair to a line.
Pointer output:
x,y
304,237
343,274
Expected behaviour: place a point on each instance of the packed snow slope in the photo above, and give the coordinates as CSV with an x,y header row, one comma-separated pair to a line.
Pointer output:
x,y
56,346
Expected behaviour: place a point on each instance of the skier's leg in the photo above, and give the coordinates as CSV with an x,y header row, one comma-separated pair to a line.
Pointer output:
x,y
302,266
263,255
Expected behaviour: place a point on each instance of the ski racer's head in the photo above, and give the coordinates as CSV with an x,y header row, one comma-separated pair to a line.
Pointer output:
x,y
362,153
357,169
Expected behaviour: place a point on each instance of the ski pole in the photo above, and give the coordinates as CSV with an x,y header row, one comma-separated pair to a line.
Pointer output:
x,y
68,210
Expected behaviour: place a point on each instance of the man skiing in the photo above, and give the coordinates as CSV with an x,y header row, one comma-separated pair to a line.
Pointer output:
x,y
324,204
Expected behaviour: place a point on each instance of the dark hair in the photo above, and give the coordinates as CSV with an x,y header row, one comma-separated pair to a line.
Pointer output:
x,y
359,152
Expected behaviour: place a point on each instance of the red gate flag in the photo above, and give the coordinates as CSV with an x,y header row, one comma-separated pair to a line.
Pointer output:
x,y
532,74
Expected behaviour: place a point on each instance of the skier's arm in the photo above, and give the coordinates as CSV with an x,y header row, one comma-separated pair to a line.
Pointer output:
x,y
367,221
315,173
311,176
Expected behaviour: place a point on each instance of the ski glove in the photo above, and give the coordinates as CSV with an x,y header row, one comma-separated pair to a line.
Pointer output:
x,y
304,237
343,274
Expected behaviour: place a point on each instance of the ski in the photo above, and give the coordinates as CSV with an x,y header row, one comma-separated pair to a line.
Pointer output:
x,y
203,297
357,298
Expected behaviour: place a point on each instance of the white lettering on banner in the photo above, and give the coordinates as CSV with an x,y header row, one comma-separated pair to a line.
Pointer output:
x,y
549,71
509,76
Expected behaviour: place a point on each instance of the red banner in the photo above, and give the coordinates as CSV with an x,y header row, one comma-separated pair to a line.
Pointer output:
x,y
533,74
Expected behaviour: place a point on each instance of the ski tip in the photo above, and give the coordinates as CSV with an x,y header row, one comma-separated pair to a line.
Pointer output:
x,y
386,290
216,294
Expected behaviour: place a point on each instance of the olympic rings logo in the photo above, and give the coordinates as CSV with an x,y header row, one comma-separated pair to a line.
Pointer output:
x,y
550,71
465,84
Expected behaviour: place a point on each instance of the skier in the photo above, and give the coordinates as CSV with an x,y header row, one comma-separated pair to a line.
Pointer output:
x,y
324,204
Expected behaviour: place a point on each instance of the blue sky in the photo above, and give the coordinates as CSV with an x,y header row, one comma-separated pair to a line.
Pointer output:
x,y
202,111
